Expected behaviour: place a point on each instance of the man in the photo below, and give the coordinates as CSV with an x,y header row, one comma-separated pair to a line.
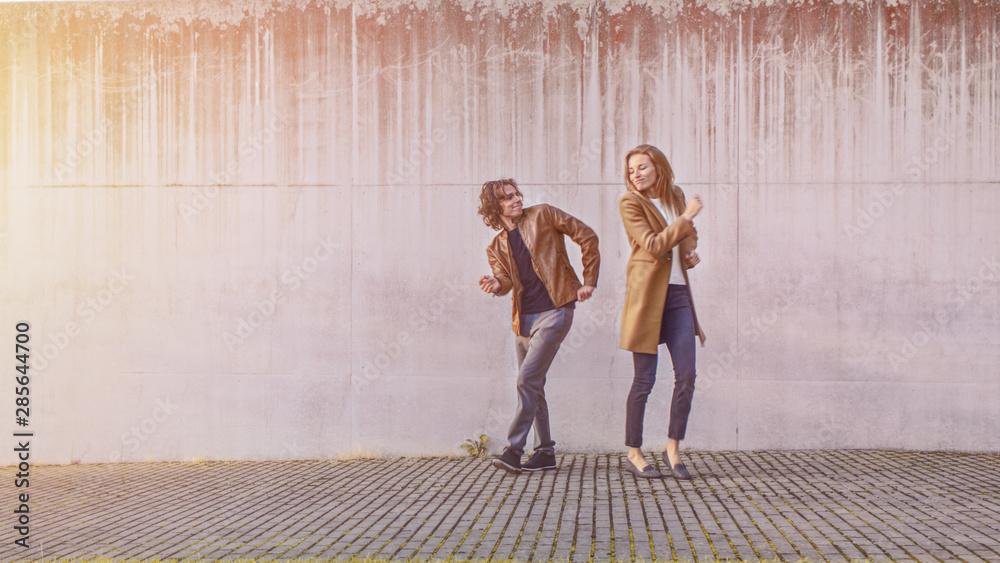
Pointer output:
x,y
528,256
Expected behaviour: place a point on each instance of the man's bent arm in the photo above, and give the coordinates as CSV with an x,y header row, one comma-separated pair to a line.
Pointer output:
x,y
584,236
499,272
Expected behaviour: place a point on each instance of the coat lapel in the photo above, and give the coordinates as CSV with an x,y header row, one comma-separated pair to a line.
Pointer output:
x,y
658,220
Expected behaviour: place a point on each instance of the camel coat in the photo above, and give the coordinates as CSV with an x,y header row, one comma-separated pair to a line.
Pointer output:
x,y
648,271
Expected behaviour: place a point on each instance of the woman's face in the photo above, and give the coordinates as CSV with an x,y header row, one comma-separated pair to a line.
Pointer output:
x,y
641,172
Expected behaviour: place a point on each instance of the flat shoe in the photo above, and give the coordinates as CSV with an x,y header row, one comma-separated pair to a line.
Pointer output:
x,y
648,472
680,472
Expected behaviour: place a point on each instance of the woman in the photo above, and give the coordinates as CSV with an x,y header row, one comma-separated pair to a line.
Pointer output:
x,y
658,307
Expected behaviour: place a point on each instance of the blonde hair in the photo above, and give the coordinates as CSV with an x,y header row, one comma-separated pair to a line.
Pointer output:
x,y
669,197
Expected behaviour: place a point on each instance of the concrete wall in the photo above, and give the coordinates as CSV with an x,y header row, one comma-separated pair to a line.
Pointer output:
x,y
248,230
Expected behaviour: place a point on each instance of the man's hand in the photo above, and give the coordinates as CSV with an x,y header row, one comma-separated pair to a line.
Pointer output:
x,y
584,293
691,259
489,284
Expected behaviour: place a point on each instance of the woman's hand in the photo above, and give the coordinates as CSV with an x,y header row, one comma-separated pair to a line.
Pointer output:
x,y
584,293
693,208
692,259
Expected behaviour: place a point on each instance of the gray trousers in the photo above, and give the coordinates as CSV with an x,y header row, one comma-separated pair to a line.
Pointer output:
x,y
541,336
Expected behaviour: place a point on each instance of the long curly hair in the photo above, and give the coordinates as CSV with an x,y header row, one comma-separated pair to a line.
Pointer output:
x,y
490,198
669,197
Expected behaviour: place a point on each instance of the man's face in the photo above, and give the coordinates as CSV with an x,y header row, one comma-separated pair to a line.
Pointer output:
x,y
510,202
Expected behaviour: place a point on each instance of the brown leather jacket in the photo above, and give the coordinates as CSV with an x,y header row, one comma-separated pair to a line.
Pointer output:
x,y
542,228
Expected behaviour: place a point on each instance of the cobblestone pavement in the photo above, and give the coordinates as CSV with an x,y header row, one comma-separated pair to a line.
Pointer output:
x,y
820,505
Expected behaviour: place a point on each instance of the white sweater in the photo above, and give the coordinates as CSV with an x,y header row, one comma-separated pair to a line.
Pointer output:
x,y
676,275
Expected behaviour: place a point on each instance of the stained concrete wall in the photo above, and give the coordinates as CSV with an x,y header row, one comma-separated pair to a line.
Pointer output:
x,y
248,230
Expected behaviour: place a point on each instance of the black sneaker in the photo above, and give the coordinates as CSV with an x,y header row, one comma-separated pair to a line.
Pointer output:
x,y
508,461
540,461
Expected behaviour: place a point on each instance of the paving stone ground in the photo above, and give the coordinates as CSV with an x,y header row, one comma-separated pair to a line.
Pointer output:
x,y
786,505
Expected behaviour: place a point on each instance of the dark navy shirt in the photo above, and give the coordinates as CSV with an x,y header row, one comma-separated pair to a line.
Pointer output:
x,y
534,297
